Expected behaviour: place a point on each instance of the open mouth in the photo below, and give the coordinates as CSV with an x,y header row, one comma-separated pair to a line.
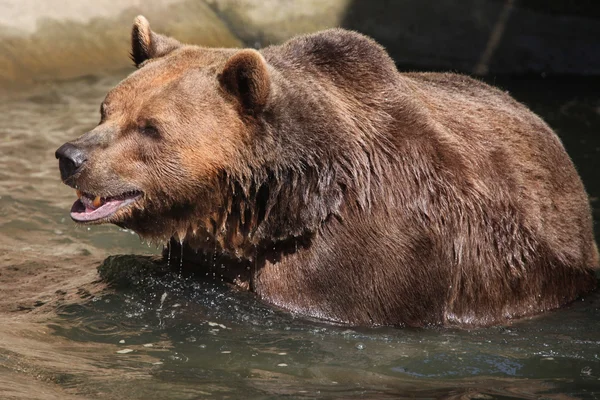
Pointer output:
x,y
89,208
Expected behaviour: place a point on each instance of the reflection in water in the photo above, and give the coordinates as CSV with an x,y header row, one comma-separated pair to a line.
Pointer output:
x,y
139,330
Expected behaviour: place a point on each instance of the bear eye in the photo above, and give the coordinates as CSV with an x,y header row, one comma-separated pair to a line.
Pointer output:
x,y
149,129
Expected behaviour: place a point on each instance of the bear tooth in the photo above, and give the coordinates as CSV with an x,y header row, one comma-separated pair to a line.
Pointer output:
x,y
78,193
97,202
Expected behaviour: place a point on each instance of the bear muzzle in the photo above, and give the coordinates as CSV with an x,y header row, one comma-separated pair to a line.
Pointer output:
x,y
90,207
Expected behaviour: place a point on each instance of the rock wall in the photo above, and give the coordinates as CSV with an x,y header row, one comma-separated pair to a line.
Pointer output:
x,y
60,39
485,36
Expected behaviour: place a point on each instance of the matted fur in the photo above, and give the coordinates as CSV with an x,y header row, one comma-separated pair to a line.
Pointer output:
x,y
335,187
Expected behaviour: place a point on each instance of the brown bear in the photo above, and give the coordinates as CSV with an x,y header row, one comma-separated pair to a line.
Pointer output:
x,y
334,186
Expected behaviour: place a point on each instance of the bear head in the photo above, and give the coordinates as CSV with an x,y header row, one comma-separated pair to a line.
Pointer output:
x,y
212,146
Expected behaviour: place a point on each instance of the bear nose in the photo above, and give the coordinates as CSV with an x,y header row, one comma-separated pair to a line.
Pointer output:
x,y
70,159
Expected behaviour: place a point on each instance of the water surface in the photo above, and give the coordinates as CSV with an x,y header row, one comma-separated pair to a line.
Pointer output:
x,y
138,330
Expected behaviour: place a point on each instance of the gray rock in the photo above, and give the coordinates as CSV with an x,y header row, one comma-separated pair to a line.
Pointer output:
x,y
62,39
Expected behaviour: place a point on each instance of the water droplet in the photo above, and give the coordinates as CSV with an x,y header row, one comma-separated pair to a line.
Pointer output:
x,y
181,257
162,300
586,371
169,253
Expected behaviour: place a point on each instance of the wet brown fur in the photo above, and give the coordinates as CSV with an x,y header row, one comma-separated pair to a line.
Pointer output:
x,y
336,187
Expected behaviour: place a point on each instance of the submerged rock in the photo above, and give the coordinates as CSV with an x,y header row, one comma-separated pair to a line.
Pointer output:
x,y
129,270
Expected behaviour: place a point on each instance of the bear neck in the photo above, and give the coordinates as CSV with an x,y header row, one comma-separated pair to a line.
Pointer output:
x,y
325,136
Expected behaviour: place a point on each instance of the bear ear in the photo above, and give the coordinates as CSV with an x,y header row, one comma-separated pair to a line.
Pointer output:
x,y
146,44
246,77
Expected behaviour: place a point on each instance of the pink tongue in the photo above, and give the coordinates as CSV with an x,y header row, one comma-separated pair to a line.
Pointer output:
x,y
90,213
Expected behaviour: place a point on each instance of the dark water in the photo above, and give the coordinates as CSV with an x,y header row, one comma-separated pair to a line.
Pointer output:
x,y
139,331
